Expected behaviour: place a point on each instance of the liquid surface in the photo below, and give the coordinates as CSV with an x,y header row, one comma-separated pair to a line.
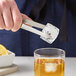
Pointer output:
x,y
49,67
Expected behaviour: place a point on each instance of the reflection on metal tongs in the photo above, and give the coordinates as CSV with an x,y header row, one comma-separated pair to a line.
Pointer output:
x,y
49,32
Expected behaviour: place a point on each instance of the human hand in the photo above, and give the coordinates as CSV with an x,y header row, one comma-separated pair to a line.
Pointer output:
x,y
10,16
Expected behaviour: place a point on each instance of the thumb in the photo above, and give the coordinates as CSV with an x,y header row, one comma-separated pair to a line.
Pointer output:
x,y
25,16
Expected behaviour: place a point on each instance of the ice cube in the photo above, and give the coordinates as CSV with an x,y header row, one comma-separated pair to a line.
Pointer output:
x,y
50,67
51,32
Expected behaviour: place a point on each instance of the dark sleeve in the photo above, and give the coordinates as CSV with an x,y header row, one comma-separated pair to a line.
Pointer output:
x,y
71,5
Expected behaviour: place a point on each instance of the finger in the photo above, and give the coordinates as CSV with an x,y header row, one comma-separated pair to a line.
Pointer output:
x,y
2,25
25,16
17,18
7,15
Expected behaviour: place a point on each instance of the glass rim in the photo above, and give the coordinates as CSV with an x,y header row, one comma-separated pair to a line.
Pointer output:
x,y
61,50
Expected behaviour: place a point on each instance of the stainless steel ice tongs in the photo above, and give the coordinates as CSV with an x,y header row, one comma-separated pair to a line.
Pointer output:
x,y
49,32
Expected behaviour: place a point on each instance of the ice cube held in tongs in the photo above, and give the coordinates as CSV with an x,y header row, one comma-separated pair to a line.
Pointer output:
x,y
49,32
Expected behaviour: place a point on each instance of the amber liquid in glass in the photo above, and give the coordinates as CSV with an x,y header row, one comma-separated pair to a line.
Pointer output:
x,y
49,67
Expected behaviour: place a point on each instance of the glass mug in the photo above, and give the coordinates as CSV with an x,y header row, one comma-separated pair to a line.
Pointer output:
x,y
49,62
